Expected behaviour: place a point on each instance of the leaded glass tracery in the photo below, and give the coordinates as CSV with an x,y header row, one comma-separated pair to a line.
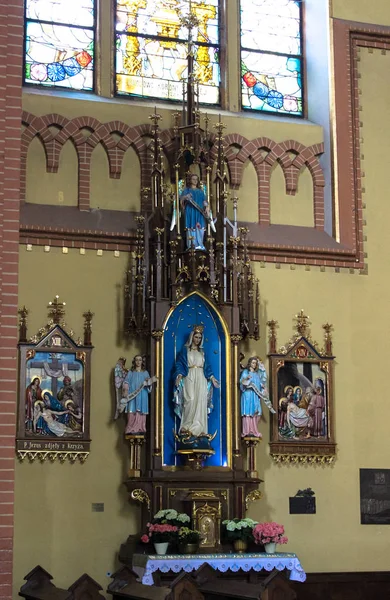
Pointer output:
x,y
152,48
60,37
271,56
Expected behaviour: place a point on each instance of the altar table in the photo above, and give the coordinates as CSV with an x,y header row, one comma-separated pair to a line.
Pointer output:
x,y
145,565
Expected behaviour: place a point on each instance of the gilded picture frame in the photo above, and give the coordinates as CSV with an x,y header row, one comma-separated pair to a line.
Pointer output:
x,y
54,394
301,388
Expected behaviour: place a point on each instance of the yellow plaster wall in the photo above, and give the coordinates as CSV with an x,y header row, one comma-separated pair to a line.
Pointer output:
x,y
115,194
358,306
51,188
54,524
286,209
377,12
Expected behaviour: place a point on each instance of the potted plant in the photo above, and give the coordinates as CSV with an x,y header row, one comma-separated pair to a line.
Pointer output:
x,y
172,517
160,534
269,534
188,540
239,531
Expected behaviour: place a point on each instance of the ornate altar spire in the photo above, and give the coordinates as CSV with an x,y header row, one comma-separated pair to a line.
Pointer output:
x,y
186,241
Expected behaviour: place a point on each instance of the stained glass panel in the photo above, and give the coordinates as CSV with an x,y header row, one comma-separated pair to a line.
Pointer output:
x,y
271,56
151,48
60,40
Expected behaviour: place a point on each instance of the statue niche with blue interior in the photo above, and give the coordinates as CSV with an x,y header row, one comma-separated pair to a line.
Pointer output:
x,y
197,212
193,393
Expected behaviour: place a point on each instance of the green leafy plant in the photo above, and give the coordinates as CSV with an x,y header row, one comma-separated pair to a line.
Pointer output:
x,y
189,536
238,529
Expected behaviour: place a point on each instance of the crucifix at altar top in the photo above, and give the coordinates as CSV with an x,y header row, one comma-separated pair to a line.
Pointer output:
x,y
190,21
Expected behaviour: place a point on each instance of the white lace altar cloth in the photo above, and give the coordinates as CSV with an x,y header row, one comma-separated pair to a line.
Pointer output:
x,y
146,565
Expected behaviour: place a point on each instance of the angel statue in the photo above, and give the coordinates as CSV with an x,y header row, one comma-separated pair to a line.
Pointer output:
x,y
197,212
253,382
194,382
136,387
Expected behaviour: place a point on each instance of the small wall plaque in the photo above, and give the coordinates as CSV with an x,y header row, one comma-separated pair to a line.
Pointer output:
x,y
303,503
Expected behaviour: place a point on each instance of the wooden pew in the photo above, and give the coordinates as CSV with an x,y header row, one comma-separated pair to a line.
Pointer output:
x,y
125,585
38,586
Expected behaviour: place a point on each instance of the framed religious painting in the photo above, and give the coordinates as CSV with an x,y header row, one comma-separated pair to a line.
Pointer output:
x,y
301,386
54,391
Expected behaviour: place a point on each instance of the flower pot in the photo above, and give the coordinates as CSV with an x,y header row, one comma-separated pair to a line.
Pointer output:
x,y
240,545
189,548
161,547
270,548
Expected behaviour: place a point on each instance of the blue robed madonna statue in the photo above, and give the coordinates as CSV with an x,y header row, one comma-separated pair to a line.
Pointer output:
x,y
193,386
196,212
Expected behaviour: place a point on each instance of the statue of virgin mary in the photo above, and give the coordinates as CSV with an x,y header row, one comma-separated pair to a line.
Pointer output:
x,y
194,382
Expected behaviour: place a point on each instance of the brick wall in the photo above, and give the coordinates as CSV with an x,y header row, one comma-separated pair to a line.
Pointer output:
x,y
11,48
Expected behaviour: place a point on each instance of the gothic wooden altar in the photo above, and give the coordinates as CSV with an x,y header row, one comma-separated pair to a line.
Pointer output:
x,y
190,282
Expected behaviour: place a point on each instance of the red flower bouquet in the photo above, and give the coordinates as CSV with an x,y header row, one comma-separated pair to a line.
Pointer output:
x,y
159,533
266,533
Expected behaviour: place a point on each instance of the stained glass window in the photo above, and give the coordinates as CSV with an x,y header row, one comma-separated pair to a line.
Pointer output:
x,y
152,48
271,56
60,36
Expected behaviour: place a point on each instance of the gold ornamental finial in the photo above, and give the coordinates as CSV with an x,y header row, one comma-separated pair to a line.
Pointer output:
x,y
273,325
328,328
302,323
23,313
155,117
57,310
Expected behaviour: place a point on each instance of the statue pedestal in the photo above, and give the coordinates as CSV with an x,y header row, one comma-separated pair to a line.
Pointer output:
x,y
136,442
251,443
195,459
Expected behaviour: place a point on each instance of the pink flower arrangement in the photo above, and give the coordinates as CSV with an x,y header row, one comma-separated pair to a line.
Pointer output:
x,y
266,533
159,532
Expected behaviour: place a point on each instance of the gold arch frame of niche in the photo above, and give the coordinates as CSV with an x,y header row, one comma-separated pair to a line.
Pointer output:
x,y
229,424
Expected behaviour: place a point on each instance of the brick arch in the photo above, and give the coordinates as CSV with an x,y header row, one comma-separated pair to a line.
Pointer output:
x,y
262,152
71,129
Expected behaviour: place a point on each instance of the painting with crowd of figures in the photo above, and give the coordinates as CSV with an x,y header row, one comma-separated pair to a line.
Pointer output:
x,y
301,377
54,389
302,401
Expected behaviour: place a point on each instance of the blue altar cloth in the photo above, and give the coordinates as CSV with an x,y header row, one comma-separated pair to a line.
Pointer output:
x,y
221,562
